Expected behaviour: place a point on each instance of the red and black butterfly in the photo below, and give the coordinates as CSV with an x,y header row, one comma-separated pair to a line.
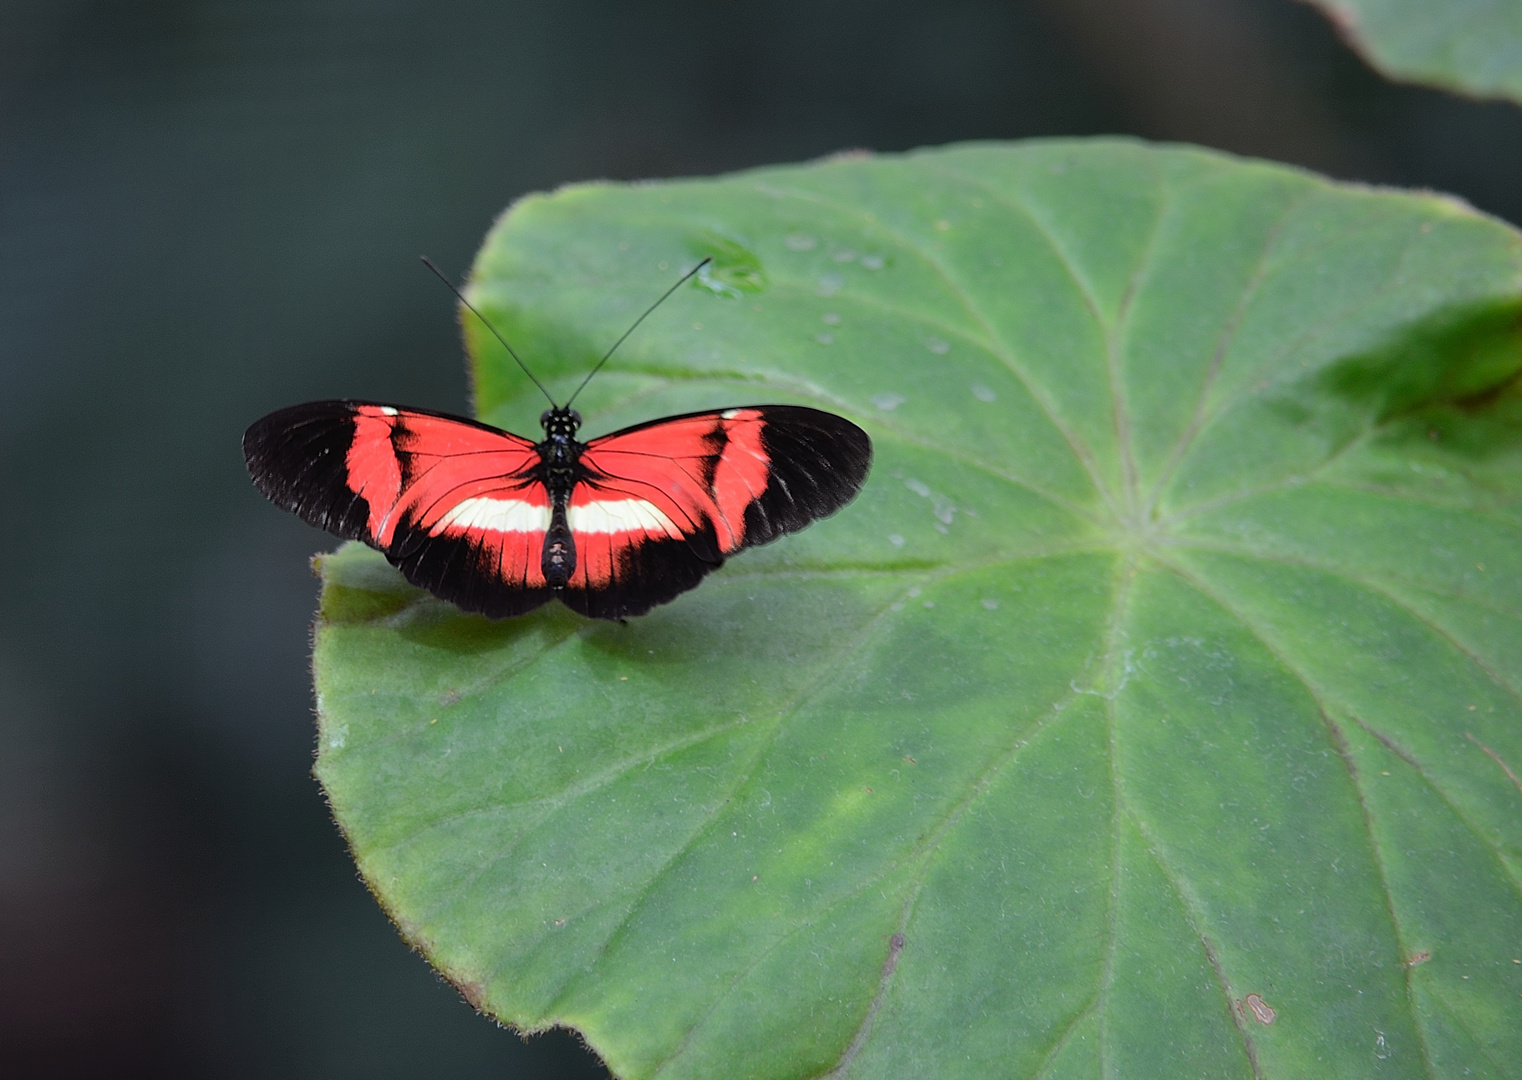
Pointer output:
x,y
499,524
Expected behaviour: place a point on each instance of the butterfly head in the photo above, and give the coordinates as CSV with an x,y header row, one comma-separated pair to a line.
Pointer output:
x,y
560,421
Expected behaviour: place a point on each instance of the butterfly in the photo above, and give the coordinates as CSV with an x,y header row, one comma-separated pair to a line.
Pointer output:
x,y
500,524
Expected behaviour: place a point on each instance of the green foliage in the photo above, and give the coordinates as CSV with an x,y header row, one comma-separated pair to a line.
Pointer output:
x,y
1154,712
1469,46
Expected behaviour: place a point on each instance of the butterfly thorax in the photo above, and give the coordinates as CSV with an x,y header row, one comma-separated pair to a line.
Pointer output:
x,y
559,452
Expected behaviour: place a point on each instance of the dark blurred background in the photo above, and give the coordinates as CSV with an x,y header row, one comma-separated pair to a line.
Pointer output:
x,y
211,208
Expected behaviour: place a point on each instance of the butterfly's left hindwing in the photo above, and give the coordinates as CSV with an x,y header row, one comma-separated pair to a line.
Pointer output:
x,y
463,509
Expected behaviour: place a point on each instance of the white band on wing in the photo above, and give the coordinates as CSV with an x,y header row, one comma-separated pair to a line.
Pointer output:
x,y
620,516
495,515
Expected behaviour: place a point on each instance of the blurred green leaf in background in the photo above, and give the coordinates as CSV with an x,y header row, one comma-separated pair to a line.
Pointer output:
x,y
1153,712
1468,46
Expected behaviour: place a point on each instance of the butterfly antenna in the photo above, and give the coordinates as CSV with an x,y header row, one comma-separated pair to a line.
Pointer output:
x,y
679,283
429,263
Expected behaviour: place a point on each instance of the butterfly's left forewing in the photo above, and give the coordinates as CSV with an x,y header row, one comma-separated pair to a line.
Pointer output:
x,y
457,506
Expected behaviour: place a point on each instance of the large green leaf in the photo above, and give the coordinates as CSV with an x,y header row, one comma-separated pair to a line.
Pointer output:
x,y
1471,46
1154,712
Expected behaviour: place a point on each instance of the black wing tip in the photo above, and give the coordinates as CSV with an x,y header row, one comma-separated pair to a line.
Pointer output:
x,y
272,430
296,458
850,451
819,462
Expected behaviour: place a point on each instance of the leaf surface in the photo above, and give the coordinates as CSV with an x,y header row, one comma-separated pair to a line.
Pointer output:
x,y
1469,46
1156,710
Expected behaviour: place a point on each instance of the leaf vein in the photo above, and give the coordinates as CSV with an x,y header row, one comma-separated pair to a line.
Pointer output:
x,y
1224,341
828,674
1458,1020
1336,319
1310,688
1402,940
1194,914
553,801
1370,580
1412,762
1372,586
1126,572
1080,450
1060,1043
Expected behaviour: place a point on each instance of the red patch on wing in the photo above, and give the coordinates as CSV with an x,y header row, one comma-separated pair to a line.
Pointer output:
x,y
598,559
516,558
374,473
701,472
444,462
743,472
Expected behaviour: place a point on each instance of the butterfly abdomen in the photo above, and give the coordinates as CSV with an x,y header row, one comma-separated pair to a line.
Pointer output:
x,y
558,560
